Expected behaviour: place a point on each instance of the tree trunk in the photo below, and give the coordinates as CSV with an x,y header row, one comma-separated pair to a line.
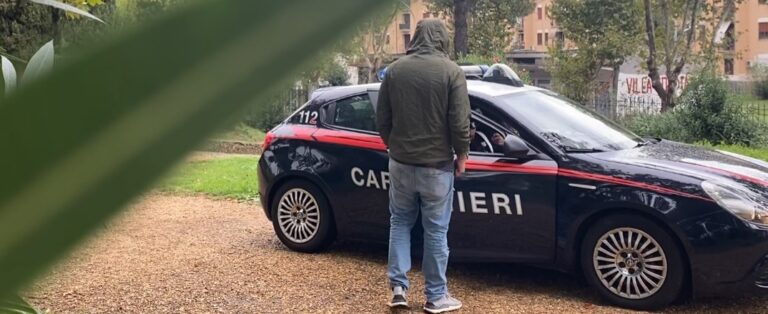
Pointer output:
x,y
668,99
56,21
615,89
460,28
653,68
371,70
672,89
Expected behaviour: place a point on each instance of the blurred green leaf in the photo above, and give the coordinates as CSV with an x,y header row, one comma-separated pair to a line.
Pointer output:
x,y
9,74
16,305
40,64
71,158
67,7
11,57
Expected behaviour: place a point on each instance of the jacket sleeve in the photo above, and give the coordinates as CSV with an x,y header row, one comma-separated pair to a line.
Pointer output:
x,y
384,112
458,114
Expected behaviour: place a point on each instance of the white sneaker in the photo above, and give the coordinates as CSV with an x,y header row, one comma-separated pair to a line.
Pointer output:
x,y
398,297
445,304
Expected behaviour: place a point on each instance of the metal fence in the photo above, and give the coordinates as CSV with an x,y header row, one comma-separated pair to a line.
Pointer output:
x,y
628,108
757,110
625,108
272,111
293,98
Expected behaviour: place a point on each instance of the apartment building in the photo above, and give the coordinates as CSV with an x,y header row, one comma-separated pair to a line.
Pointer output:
x,y
403,26
538,30
746,37
750,32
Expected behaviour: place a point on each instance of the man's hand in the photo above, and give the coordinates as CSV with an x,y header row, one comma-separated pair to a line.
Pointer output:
x,y
497,139
461,162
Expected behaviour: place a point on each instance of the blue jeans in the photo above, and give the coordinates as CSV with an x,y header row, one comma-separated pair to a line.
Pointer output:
x,y
429,190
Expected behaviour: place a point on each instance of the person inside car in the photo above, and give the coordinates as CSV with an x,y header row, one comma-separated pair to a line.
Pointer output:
x,y
480,143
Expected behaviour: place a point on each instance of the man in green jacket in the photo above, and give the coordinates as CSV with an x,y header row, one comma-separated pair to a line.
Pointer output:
x,y
423,117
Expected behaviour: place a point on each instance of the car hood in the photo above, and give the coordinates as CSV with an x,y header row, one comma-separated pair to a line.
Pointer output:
x,y
695,162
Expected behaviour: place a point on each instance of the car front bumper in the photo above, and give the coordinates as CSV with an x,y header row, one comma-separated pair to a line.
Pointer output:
x,y
755,281
728,257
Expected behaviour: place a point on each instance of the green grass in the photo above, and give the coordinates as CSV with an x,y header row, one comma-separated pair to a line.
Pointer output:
x,y
243,133
230,177
755,152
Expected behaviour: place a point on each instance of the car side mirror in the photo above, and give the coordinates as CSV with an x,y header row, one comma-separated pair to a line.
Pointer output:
x,y
515,147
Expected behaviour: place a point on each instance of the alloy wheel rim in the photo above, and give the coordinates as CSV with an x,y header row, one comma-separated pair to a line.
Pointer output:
x,y
630,263
298,215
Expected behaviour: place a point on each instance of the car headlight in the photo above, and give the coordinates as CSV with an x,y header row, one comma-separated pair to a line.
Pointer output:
x,y
739,200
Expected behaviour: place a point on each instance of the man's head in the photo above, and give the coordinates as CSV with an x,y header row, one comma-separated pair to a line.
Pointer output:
x,y
431,36
472,130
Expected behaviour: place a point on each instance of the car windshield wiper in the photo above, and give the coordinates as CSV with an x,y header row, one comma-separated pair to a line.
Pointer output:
x,y
647,141
582,150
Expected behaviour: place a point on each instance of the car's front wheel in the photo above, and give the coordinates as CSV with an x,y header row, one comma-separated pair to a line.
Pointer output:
x,y
633,262
301,217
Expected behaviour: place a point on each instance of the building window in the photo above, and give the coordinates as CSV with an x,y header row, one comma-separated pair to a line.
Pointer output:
x,y
763,30
406,25
387,39
426,15
729,40
546,38
728,66
407,40
559,38
539,40
540,13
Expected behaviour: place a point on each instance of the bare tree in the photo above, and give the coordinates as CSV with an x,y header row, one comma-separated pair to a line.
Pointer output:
x,y
675,52
372,40
460,32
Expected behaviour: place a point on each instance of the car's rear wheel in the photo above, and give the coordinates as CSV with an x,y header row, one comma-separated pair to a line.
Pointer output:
x,y
633,262
301,217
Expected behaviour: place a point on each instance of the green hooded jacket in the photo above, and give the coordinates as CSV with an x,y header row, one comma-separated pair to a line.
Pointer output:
x,y
423,109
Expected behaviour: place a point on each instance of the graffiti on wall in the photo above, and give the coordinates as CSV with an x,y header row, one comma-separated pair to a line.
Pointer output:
x,y
638,88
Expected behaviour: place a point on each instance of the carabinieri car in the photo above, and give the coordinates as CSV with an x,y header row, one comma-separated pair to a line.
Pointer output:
x,y
647,221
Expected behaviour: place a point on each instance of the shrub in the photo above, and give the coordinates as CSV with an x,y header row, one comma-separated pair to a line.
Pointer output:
x,y
266,116
658,125
706,113
337,75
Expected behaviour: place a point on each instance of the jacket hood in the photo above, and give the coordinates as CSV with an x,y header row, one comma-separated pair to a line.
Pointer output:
x,y
431,37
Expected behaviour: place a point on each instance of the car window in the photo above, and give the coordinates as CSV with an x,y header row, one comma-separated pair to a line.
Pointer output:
x,y
567,124
374,94
482,108
483,138
355,112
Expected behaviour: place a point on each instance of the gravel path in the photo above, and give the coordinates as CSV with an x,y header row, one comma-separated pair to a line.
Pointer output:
x,y
181,254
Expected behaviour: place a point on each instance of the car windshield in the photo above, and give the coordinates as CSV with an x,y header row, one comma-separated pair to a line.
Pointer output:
x,y
567,124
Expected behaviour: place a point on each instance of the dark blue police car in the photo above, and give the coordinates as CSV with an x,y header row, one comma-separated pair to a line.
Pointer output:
x,y
647,221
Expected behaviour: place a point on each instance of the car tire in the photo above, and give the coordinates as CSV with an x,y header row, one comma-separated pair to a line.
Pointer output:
x,y
301,217
633,262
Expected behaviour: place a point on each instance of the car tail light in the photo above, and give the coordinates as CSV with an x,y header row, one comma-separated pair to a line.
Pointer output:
x,y
267,140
